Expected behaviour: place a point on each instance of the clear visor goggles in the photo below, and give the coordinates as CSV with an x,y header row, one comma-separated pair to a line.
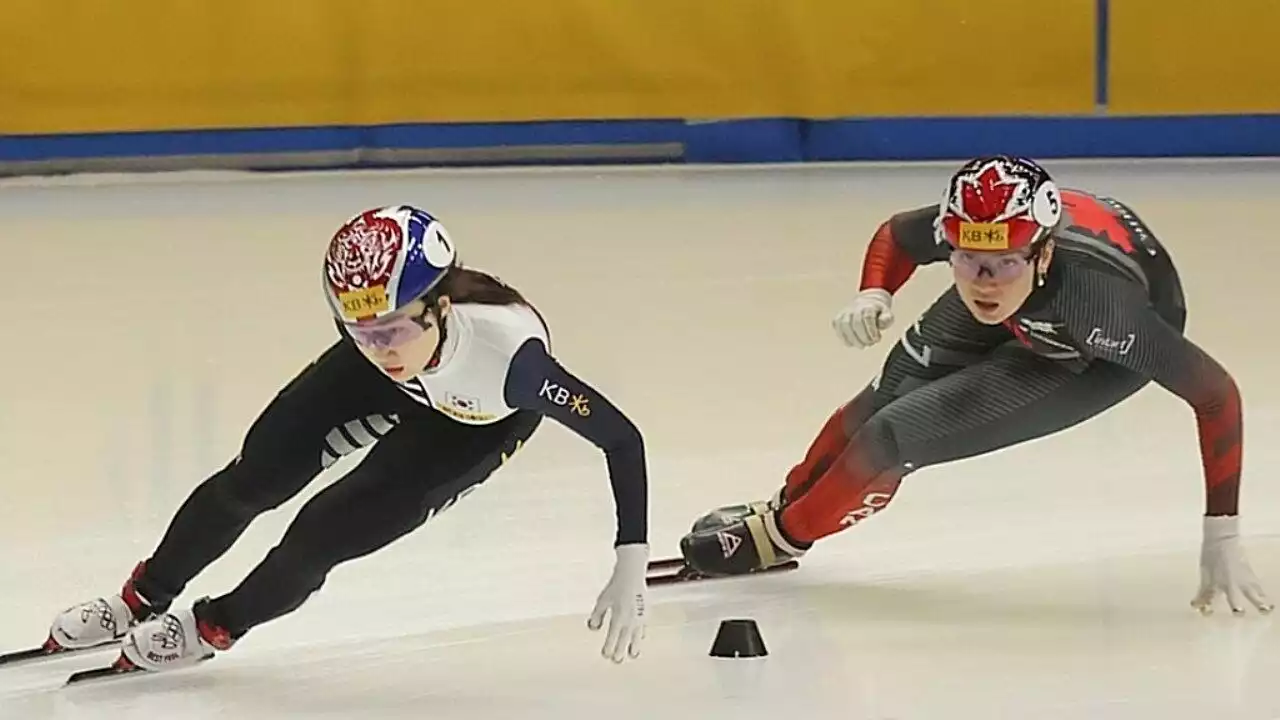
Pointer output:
x,y
1000,267
394,330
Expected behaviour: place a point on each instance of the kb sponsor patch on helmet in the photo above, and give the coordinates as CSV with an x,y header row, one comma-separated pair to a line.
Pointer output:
x,y
383,260
984,236
363,302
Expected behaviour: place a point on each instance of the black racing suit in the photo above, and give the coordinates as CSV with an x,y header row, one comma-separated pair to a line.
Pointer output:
x,y
420,463
1108,320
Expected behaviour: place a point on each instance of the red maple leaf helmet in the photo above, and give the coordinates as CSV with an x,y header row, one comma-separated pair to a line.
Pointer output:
x,y
998,203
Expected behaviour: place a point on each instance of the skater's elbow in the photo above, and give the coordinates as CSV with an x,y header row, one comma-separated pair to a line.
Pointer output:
x,y
623,439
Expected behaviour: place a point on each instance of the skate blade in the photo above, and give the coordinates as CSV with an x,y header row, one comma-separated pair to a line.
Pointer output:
x,y
51,651
119,669
676,571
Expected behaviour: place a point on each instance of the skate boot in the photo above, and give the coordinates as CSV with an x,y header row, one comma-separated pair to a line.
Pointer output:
x,y
753,542
100,621
171,641
730,514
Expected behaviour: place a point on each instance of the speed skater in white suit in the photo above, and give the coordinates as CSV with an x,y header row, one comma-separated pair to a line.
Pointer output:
x,y
443,372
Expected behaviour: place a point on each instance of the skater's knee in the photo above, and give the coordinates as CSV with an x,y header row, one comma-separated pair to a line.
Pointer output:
x,y
325,533
307,557
873,448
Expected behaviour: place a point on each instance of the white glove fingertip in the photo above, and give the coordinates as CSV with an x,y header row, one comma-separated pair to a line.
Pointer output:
x,y
1231,593
1203,601
870,330
1253,593
885,319
613,640
614,650
837,326
624,648
596,620
846,335
849,331
1265,606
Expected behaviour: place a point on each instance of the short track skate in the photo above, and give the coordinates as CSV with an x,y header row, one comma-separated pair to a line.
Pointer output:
x,y
670,571
50,650
118,669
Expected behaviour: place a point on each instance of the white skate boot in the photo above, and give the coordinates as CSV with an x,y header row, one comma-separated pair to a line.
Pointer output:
x,y
100,621
171,641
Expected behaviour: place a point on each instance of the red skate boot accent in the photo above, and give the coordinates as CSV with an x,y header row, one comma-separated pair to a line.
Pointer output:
x,y
211,631
138,605
831,441
216,636
841,498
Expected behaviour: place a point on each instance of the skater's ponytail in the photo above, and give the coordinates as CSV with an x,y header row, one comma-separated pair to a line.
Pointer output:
x,y
464,285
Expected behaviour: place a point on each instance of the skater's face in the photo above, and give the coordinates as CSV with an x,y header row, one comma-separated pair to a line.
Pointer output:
x,y
994,285
402,343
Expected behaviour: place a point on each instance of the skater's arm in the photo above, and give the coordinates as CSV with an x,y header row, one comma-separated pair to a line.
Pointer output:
x,y
538,382
901,244
1122,327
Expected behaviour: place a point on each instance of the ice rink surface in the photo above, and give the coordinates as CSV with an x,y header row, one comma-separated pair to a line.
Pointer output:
x,y
150,319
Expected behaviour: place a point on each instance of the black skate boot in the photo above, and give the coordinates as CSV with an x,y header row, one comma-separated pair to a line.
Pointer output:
x,y
754,542
723,517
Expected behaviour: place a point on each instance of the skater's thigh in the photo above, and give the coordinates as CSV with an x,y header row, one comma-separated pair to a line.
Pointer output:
x,y
1011,397
336,405
418,470
945,339
431,450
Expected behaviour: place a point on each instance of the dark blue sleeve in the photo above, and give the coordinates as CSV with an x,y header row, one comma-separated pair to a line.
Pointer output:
x,y
538,382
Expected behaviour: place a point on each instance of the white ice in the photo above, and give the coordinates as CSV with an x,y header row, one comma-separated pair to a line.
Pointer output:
x,y
147,320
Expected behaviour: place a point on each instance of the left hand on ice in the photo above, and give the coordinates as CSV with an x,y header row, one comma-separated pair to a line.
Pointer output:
x,y
1224,569
623,599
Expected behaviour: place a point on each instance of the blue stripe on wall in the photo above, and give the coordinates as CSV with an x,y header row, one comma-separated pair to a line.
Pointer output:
x,y
756,140
1045,137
